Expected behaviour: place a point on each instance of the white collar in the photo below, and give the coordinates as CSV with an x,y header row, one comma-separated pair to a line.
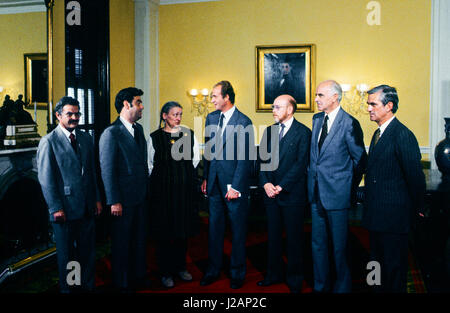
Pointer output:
x,y
332,115
288,124
227,115
127,125
66,132
385,124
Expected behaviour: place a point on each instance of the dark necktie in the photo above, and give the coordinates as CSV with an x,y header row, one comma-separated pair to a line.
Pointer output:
x,y
375,138
324,133
280,136
136,134
73,142
221,123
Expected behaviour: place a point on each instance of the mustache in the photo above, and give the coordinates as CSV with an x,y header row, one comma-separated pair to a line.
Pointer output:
x,y
73,121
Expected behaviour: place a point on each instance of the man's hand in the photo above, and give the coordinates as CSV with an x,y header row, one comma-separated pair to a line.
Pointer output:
x,y
271,190
59,216
116,209
99,208
278,187
232,194
204,187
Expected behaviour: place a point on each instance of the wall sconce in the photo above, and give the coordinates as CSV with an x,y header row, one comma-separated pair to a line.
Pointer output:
x,y
354,101
203,105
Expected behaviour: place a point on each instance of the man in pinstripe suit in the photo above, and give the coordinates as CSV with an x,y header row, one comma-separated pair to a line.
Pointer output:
x,y
394,186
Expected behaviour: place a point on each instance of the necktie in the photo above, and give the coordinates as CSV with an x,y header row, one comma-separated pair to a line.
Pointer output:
x,y
280,136
375,138
73,142
324,133
221,122
136,134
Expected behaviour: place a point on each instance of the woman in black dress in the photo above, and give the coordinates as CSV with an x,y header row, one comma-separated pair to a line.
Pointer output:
x,y
173,154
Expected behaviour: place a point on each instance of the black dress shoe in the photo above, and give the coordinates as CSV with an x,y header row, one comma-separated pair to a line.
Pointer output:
x,y
208,280
267,282
236,283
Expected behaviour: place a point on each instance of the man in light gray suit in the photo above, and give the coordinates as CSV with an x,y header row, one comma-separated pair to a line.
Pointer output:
x,y
337,161
66,172
123,161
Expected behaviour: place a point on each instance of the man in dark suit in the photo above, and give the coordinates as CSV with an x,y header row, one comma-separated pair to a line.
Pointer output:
x,y
337,161
284,155
66,172
394,189
228,138
123,160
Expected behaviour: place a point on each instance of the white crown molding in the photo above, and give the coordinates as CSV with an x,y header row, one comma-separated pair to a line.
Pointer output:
x,y
15,7
166,2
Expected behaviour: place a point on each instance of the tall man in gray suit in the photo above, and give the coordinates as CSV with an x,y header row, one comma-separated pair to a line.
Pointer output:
x,y
123,161
394,189
66,172
337,161
228,138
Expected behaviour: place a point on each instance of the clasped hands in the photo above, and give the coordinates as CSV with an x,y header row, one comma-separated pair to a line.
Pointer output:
x,y
271,190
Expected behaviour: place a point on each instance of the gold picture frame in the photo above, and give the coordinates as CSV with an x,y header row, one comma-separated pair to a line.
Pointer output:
x,y
285,69
36,80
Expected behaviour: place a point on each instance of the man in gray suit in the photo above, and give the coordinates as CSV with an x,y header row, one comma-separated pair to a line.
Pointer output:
x,y
66,172
337,161
123,161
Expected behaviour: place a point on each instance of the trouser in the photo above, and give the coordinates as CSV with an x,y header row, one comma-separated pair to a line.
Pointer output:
x,y
128,234
75,241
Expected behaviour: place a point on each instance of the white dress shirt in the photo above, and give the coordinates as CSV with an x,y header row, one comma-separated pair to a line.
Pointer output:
x,y
287,125
128,126
67,133
226,117
384,125
331,117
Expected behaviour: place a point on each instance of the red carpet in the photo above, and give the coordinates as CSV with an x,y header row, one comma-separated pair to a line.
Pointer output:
x,y
256,264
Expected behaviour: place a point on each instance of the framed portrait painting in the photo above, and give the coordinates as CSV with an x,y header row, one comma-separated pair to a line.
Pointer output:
x,y
288,69
36,80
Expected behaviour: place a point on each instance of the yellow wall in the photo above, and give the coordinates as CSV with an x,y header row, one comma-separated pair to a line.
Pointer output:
x,y
203,43
59,51
121,25
20,34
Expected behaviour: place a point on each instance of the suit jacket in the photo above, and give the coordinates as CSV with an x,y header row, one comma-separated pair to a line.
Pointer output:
x,y
68,179
339,166
123,165
394,181
290,170
228,157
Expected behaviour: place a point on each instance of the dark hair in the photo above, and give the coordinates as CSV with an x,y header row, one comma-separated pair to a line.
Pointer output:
x,y
388,94
226,89
126,94
166,109
66,101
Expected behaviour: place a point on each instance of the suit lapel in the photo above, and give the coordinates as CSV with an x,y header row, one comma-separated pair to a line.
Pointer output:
x,y
384,140
128,139
287,138
67,147
232,122
317,124
333,130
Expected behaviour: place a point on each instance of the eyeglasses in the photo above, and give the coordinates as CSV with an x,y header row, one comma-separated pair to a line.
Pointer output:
x,y
70,114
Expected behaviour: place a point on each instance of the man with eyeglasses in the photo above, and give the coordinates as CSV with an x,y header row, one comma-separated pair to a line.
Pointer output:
x,y
66,172
286,148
